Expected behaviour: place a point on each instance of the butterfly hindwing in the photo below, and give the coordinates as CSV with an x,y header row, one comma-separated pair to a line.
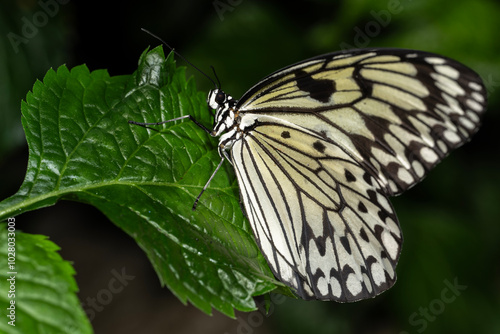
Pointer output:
x,y
322,222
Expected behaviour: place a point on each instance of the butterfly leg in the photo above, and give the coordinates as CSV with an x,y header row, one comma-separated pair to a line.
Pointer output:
x,y
191,118
208,182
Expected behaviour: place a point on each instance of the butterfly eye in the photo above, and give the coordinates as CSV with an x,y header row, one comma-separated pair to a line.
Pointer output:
x,y
220,98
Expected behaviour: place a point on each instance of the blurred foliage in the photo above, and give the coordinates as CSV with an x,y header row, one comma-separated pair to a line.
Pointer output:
x,y
450,221
28,48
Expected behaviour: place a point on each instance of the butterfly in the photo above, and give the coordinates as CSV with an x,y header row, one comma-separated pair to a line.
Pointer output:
x,y
319,146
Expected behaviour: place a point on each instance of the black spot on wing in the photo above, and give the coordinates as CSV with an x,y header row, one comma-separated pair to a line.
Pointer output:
x,y
372,195
382,214
367,178
319,146
383,254
285,134
318,89
348,176
345,242
363,235
378,232
321,240
362,207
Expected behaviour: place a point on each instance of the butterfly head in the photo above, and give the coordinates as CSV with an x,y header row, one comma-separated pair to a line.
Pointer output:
x,y
217,98
224,111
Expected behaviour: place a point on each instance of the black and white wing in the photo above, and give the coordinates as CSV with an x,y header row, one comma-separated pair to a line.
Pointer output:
x,y
323,222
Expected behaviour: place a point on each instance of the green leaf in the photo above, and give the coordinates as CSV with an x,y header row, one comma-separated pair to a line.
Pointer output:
x,y
43,288
82,148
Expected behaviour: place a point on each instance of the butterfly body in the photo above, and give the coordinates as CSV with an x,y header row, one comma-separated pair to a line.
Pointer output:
x,y
320,145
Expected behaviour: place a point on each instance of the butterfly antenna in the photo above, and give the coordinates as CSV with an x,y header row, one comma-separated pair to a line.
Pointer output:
x,y
180,56
219,86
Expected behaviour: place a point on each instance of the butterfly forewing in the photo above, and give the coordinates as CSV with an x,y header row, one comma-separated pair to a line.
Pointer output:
x,y
397,112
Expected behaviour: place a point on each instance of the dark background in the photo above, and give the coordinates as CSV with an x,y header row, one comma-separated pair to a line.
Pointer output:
x,y
450,222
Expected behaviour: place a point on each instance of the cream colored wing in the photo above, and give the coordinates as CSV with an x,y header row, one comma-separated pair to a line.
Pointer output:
x,y
398,112
322,222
